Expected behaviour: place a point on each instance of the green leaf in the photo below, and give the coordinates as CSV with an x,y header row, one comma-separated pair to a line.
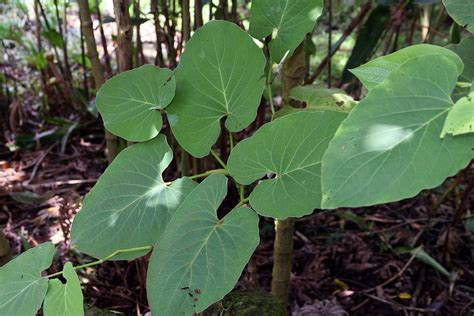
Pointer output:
x,y
462,11
425,257
22,289
130,205
130,102
292,148
53,37
219,75
376,71
460,119
288,21
367,40
464,50
200,257
320,98
389,147
64,299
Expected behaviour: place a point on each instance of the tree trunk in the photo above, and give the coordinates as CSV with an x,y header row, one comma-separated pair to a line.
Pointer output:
x,y
124,35
186,20
198,20
294,70
97,70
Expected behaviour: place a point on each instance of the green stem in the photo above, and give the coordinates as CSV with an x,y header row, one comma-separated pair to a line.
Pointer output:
x,y
208,173
231,141
100,261
219,160
242,202
269,88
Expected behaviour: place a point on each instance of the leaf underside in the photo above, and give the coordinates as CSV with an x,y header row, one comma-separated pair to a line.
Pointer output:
x,y
318,97
200,257
131,204
292,149
219,75
22,288
389,148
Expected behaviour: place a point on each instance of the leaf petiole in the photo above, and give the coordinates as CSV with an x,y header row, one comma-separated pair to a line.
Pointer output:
x,y
109,257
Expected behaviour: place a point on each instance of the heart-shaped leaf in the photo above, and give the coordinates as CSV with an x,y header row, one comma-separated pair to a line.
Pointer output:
x,y
460,119
130,102
64,299
200,257
464,50
219,75
462,11
389,147
376,71
317,97
130,205
292,148
288,21
22,288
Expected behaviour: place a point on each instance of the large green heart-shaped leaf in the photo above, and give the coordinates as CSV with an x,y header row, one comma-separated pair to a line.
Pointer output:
x,y
200,257
460,119
462,11
22,288
389,147
221,74
288,21
292,148
318,97
64,299
376,71
130,205
130,102
464,50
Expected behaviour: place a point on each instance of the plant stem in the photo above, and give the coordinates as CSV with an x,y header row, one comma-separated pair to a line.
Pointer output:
x,y
294,70
208,173
219,160
269,88
283,255
100,261
242,202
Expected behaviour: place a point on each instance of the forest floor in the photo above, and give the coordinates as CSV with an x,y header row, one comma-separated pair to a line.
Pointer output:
x,y
357,262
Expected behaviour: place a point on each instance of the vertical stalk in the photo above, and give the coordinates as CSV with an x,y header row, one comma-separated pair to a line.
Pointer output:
x,y
97,70
198,20
329,44
159,61
186,21
124,35
140,56
294,70
67,68
103,40
233,11
170,32
84,68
